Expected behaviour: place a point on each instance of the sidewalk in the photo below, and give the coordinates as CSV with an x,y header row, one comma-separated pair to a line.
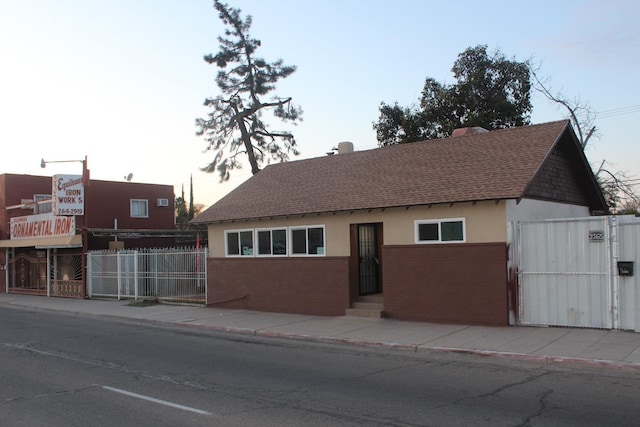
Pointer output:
x,y
549,345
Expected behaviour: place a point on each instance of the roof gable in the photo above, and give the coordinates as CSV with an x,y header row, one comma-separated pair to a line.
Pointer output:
x,y
566,176
487,166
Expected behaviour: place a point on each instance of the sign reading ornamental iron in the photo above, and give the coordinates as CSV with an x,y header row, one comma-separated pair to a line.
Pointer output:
x,y
43,225
596,236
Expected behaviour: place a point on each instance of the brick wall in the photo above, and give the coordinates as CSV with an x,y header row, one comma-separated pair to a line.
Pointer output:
x,y
452,283
316,286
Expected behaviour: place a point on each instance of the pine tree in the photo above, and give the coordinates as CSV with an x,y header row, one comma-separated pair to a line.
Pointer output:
x,y
235,126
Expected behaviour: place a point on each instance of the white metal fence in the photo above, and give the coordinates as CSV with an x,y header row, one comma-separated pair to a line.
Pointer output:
x,y
174,274
568,272
629,286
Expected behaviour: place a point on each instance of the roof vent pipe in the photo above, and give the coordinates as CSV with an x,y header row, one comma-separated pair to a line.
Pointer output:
x,y
345,147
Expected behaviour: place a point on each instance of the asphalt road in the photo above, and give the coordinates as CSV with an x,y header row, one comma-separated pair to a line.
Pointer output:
x,y
65,370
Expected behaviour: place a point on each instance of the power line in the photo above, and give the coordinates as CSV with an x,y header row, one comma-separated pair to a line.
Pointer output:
x,y
618,112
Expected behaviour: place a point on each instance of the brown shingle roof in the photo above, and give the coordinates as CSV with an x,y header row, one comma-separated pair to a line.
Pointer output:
x,y
486,166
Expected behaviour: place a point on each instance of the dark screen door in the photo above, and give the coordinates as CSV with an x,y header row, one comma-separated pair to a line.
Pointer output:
x,y
369,260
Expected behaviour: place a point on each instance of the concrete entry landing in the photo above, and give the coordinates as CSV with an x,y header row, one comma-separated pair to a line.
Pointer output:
x,y
367,306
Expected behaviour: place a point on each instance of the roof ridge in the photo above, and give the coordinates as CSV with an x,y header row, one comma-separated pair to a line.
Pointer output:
x,y
487,166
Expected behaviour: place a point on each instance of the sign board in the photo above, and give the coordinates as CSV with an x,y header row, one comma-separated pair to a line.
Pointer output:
x,y
43,225
68,195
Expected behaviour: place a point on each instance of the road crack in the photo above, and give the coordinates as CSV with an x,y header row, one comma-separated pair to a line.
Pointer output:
x,y
54,393
542,405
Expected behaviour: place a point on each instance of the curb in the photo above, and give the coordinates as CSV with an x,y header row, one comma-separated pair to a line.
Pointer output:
x,y
415,348
542,358
546,359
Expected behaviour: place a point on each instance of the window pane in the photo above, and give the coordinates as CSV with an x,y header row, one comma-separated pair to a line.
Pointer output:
x,y
233,247
452,231
264,242
279,242
246,242
299,241
139,208
428,232
42,207
316,241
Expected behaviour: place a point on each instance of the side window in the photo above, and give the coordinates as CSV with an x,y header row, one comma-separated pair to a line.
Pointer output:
x,y
272,242
239,243
307,240
440,231
139,208
43,203
294,241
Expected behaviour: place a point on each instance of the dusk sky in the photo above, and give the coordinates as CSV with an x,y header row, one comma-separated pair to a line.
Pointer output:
x,y
122,81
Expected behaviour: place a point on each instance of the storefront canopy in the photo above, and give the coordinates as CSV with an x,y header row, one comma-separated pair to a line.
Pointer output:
x,y
74,241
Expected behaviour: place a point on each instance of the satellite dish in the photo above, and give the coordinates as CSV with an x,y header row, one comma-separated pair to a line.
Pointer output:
x,y
128,177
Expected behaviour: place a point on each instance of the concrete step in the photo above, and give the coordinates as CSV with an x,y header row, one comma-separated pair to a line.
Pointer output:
x,y
363,312
376,298
366,307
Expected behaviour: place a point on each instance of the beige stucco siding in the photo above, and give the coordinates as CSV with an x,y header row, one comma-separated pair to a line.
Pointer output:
x,y
485,222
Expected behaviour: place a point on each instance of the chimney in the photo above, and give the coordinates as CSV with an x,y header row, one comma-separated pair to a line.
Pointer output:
x,y
345,147
468,131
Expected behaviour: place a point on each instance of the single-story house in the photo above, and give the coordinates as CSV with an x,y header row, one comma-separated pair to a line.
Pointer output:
x,y
422,226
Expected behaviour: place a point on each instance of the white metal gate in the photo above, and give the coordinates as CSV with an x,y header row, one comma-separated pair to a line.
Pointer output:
x,y
629,286
177,275
568,272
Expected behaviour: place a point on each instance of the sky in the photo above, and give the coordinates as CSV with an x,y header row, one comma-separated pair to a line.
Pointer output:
x,y
122,81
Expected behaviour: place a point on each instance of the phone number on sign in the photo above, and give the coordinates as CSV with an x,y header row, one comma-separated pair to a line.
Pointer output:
x,y
70,212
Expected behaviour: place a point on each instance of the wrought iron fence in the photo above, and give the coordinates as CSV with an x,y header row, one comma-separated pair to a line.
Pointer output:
x,y
171,275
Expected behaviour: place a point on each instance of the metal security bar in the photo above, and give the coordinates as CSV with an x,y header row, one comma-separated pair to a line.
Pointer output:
x,y
171,275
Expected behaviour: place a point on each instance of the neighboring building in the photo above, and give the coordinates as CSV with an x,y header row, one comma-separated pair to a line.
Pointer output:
x,y
424,225
111,214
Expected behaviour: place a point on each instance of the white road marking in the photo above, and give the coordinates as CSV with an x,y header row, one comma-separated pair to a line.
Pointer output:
x,y
154,400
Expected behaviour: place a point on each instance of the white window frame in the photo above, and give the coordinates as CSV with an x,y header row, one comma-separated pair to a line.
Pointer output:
x,y
271,230
146,204
306,228
43,203
417,224
240,254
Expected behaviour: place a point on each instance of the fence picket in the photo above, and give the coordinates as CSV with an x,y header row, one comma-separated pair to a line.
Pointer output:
x,y
171,274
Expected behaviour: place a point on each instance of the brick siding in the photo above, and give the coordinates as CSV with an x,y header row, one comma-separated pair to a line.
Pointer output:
x,y
316,286
449,283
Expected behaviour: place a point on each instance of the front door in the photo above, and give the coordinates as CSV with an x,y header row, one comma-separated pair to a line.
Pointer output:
x,y
369,258
28,272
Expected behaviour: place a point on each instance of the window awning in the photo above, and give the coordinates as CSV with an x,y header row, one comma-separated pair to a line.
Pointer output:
x,y
74,241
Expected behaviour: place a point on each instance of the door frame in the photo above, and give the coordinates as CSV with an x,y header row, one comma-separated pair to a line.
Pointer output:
x,y
354,262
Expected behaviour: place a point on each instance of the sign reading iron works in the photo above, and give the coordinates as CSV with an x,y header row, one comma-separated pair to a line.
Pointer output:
x,y
44,225
68,195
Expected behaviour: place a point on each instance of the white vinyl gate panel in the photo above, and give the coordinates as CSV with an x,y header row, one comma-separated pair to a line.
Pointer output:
x,y
629,294
564,273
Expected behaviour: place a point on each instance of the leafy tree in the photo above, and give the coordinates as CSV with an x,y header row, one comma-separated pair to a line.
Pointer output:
x,y
182,215
491,91
235,126
192,212
185,214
